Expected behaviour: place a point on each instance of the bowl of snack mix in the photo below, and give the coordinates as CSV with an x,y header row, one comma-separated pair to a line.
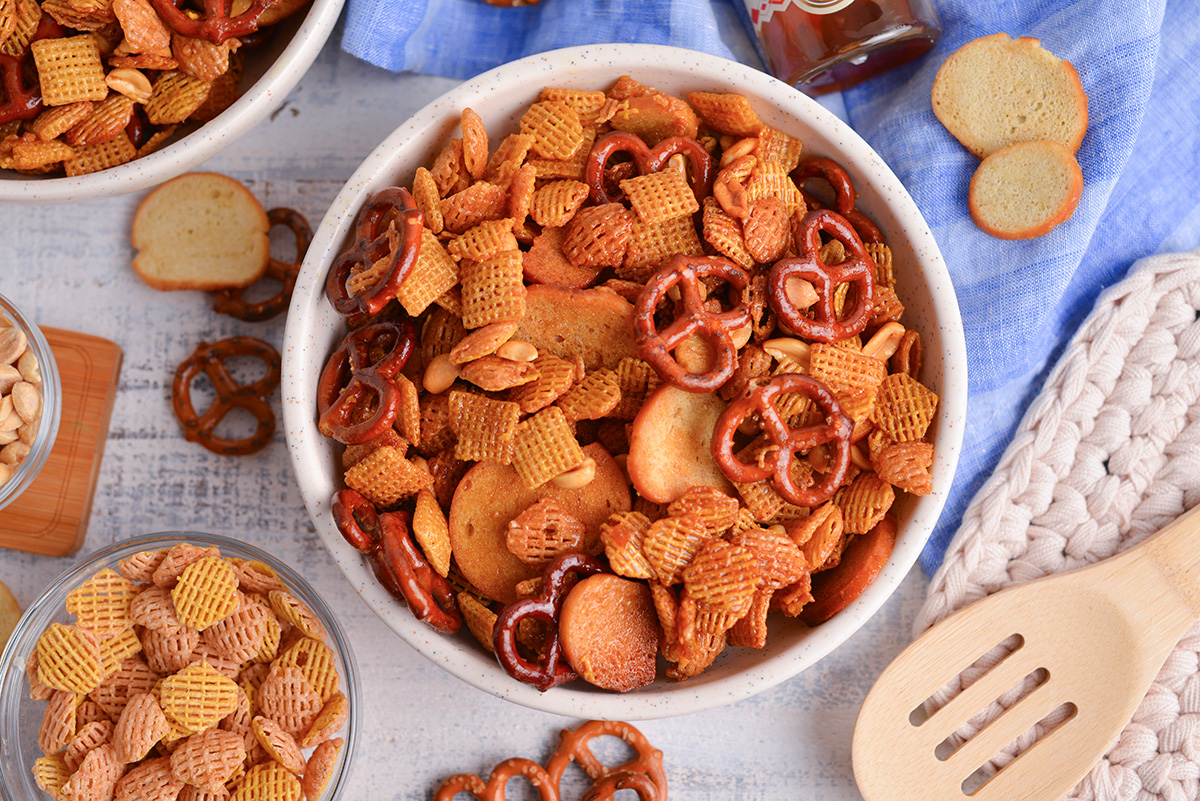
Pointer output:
x,y
119,97
30,401
173,663
624,381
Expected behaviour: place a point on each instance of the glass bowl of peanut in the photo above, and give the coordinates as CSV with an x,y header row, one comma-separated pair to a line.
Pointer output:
x,y
30,401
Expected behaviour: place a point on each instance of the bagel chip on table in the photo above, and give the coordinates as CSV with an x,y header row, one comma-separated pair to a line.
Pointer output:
x,y
203,231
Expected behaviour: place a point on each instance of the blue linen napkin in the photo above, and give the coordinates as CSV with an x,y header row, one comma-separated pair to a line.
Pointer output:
x,y
1020,301
462,38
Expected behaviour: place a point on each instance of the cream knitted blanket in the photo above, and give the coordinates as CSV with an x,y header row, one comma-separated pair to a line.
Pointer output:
x,y
1108,453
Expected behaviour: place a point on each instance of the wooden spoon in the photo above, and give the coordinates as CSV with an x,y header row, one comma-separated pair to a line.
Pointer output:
x,y
1100,634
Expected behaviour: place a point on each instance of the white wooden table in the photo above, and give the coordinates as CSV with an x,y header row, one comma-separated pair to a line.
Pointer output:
x,y
68,266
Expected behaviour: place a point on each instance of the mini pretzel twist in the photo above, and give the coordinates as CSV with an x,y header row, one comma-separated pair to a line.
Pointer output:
x,y
551,670
429,596
611,784
233,302
718,328
384,538
22,102
377,237
354,376
788,442
494,788
647,160
845,196
357,520
858,269
647,762
214,22
210,360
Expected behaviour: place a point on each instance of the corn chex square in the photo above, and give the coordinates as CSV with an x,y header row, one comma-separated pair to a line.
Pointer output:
x,y
545,447
724,233
69,659
476,203
660,196
593,397
555,203
881,254
769,179
727,113
198,696
26,16
773,142
483,240
93,158
175,95
555,127
385,476
555,377
493,290
486,428
652,244
843,370
433,274
636,380
904,407
574,167
69,70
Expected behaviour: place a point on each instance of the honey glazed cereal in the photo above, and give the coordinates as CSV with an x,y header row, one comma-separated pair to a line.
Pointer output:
x,y
93,84
21,400
639,365
179,672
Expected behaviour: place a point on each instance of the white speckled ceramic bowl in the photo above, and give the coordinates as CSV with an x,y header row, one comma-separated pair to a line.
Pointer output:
x,y
270,75
500,97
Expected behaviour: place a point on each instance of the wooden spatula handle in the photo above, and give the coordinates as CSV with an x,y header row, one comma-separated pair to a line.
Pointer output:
x,y
1175,549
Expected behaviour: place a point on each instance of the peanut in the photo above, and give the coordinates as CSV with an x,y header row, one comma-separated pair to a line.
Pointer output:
x,y
129,82
440,374
578,477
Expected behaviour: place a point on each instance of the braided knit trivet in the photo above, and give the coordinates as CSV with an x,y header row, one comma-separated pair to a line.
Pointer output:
x,y
1107,454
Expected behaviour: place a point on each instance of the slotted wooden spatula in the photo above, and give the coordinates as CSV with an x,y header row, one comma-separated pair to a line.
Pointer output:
x,y
1098,635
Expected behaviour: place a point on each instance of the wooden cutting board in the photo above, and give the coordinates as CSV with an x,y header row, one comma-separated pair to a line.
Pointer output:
x,y
50,517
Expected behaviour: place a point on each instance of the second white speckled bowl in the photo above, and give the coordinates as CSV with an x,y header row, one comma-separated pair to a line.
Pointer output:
x,y
270,75
500,97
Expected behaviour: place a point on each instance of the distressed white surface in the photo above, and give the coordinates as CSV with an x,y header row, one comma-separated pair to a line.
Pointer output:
x,y
68,267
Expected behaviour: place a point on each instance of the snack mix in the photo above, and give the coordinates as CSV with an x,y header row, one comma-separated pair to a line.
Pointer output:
x,y
91,85
186,675
21,399
630,289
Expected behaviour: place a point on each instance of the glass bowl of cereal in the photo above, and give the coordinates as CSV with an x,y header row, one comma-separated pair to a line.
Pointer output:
x,y
150,92
623,365
133,669
30,401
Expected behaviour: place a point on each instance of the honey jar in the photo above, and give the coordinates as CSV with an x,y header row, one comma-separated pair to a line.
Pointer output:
x,y
822,46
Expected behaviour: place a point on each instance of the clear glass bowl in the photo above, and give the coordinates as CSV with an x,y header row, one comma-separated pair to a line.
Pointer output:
x,y
20,716
25,473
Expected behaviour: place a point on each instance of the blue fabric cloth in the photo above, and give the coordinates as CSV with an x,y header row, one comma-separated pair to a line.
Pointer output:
x,y
462,38
1020,301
